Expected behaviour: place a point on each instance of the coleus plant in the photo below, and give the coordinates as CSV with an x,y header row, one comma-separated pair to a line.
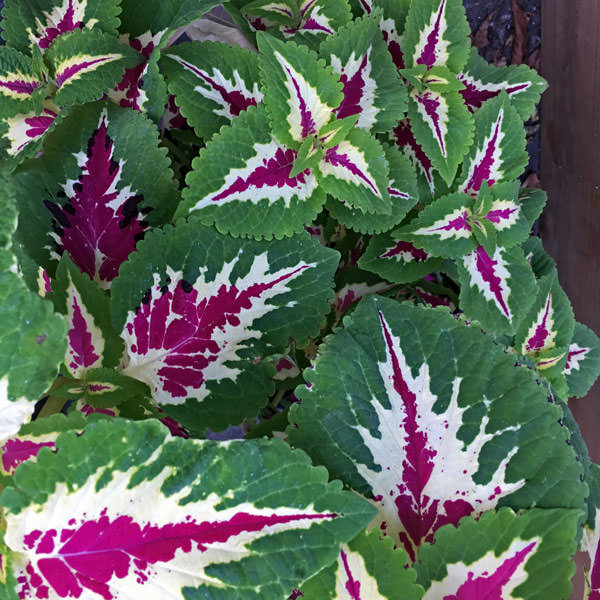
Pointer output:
x,y
320,246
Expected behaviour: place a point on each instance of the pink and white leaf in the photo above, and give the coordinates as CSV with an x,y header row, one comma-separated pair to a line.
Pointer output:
x,y
433,110
14,412
542,332
75,67
503,214
24,129
432,45
66,17
18,86
575,357
426,473
405,139
17,450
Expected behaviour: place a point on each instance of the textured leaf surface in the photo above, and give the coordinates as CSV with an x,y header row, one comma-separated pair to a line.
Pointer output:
x,y
498,150
427,439
372,89
496,290
86,64
402,190
212,83
367,568
397,259
241,182
199,312
483,81
583,361
93,193
590,542
443,127
40,22
216,530
20,85
301,92
436,34
502,556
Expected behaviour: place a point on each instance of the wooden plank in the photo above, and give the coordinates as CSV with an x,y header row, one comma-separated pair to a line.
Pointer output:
x,y
571,169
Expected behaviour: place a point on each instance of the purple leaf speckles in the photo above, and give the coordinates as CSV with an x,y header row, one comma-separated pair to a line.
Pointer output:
x,y
98,224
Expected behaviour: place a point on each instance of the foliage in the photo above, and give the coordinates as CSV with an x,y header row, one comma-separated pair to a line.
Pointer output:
x,y
321,246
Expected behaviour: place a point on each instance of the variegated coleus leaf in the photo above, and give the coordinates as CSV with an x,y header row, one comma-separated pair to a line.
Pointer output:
x,y
483,81
93,193
547,328
21,134
142,86
32,336
502,556
427,439
91,340
442,126
391,24
498,289
402,191
436,34
151,515
21,87
85,64
498,151
241,182
200,312
541,262
367,568
283,12
40,22
590,542
301,92
583,361
212,83
397,259
372,88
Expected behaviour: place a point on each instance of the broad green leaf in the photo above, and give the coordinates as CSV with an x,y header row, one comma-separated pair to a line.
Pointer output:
x,y
391,24
22,133
498,150
141,514
20,85
356,173
444,228
232,303
86,64
92,193
368,567
284,12
583,361
241,182
402,190
372,88
40,22
91,340
8,581
547,328
484,81
443,127
160,16
590,542
541,262
436,34
502,555
301,92
432,421
496,290
397,259
142,87
212,83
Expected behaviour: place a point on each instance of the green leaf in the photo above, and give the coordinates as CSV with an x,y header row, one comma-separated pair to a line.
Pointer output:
x,y
497,290
502,555
284,12
21,88
367,567
92,193
541,262
86,64
37,23
161,504
232,303
583,361
431,420
402,190
241,182
212,83
436,34
301,92
372,88
484,81
443,127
